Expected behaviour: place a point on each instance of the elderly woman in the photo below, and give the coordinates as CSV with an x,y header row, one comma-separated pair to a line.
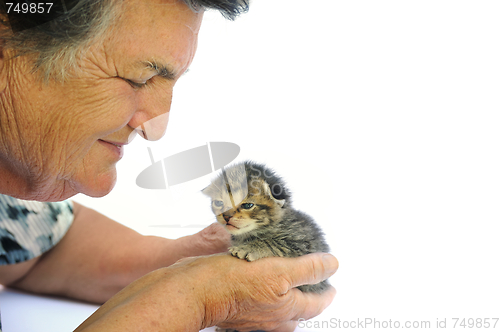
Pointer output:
x,y
72,91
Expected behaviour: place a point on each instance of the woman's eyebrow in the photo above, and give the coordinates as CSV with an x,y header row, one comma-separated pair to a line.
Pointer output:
x,y
161,69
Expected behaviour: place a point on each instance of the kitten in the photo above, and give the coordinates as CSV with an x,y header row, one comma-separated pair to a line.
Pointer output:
x,y
254,206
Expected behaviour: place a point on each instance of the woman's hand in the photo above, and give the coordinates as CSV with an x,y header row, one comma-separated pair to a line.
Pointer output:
x,y
200,292
260,295
213,239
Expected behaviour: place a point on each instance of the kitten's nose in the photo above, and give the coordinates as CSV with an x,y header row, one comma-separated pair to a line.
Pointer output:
x,y
226,217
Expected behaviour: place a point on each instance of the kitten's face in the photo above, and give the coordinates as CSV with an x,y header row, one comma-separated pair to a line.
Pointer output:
x,y
242,208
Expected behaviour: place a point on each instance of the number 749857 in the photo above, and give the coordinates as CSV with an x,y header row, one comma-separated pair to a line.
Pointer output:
x,y
32,8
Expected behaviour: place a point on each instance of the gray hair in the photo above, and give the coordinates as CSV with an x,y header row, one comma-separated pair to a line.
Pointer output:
x,y
55,45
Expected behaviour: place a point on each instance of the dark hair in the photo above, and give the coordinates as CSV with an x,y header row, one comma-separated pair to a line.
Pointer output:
x,y
72,27
229,8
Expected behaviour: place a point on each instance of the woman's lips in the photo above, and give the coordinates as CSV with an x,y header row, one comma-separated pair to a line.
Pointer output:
x,y
115,147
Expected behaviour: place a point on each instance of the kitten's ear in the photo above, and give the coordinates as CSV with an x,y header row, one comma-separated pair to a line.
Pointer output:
x,y
207,191
268,192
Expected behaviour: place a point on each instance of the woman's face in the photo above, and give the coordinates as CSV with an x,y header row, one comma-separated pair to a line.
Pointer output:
x,y
66,138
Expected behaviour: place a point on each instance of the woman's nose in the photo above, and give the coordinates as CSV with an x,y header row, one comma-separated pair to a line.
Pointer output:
x,y
151,119
154,129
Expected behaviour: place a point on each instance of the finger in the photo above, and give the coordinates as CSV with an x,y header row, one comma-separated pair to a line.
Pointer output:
x,y
214,239
309,305
308,269
184,261
214,231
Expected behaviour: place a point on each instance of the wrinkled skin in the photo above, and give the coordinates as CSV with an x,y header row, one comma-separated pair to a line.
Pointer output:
x,y
220,290
55,137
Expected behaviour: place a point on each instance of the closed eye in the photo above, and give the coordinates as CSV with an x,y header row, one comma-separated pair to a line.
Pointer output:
x,y
135,84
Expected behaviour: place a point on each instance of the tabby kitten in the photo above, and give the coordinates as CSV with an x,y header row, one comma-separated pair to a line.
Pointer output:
x,y
254,206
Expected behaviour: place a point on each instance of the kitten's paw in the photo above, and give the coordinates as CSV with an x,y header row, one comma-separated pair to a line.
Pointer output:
x,y
252,256
239,252
243,253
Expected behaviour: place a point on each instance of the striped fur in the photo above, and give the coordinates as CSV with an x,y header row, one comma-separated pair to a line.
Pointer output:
x,y
255,207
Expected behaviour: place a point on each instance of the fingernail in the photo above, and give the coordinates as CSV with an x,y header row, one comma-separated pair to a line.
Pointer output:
x,y
330,263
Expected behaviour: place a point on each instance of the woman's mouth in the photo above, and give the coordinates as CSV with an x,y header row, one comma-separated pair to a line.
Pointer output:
x,y
115,147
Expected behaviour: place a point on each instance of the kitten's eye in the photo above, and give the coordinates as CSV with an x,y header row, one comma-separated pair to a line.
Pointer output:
x,y
247,206
218,203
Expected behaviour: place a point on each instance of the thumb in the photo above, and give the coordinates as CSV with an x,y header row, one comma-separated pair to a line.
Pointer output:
x,y
311,269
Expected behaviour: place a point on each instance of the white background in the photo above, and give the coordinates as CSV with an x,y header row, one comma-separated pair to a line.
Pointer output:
x,y
383,116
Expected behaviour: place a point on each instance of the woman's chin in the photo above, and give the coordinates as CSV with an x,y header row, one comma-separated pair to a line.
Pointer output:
x,y
96,186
